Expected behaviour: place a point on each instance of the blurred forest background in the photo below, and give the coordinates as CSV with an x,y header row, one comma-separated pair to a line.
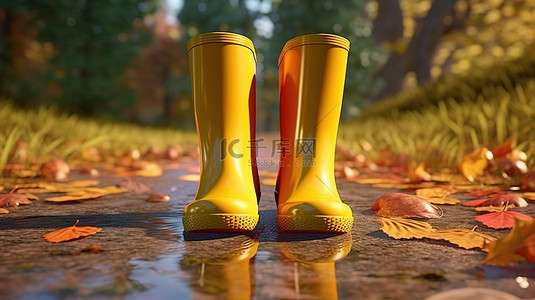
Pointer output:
x,y
126,59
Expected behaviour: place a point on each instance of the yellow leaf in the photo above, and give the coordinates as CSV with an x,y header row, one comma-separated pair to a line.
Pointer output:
x,y
70,233
494,208
190,177
399,228
463,238
503,251
529,196
474,163
87,193
54,187
447,201
436,192
4,211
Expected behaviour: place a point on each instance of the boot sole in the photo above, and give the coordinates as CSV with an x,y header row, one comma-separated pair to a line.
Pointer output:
x,y
220,222
315,223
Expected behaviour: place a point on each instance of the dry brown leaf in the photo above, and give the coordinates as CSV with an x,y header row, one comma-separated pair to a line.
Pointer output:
x,y
400,228
474,164
498,200
70,233
400,186
494,208
134,186
55,169
528,182
90,171
13,199
418,174
157,197
436,192
503,251
464,238
405,206
4,211
173,152
446,201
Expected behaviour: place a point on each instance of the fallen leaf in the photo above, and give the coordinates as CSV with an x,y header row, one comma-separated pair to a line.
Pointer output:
x,y
349,173
436,192
55,187
190,177
157,197
87,193
418,174
494,208
502,219
473,164
400,228
464,238
153,152
527,248
134,186
503,251
498,200
147,169
504,148
173,152
90,171
70,233
4,211
405,206
529,196
13,199
528,182
446,200
55,169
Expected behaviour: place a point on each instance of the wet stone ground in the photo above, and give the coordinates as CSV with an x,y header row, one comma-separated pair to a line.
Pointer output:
x,y
144,253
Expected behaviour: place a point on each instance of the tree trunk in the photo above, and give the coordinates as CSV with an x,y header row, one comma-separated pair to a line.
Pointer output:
x,y
419,53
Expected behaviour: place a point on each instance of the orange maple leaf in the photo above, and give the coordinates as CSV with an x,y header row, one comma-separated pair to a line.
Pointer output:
x,y
501,219
70,233
513,246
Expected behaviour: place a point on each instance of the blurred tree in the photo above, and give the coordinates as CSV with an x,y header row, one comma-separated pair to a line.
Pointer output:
x,y
89,44
429,39
270,24
153,75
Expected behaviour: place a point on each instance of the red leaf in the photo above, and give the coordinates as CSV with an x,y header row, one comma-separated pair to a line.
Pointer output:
x,y
502,219
13,199
55,169
405,206
498,200
504,148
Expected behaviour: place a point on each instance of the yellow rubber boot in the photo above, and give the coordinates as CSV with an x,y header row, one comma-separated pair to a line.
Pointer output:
x,y
311,82
223,69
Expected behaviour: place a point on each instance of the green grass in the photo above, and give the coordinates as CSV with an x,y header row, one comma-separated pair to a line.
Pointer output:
x,y
49,133
439,123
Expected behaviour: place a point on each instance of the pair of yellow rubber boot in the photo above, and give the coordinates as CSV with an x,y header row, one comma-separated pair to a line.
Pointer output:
x,y
311,82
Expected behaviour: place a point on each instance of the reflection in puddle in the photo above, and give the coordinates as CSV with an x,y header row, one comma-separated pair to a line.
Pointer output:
x,y
220,267
313,265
